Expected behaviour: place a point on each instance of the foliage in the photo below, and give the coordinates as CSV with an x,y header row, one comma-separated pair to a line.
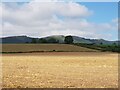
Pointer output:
x,y
34,40
101,47
52,40
68,40
42,40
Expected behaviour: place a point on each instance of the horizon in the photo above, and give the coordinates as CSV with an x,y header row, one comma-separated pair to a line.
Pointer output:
x,y
94,20
58,35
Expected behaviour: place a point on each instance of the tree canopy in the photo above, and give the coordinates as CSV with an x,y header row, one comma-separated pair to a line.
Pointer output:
x,y
68,39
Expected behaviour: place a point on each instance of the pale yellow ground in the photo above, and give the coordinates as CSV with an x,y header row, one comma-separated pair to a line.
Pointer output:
x,y
60,69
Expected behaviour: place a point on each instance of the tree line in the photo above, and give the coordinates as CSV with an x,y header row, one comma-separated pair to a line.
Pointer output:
x,y
67,40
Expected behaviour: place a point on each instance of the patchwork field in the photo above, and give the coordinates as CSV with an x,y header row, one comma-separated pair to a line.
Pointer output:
x,y
60,69
12,48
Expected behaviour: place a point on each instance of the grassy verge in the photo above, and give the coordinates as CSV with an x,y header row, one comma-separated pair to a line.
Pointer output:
x,y
103,48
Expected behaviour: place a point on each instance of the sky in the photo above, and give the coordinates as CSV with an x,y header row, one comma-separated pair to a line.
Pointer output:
x,y
95,20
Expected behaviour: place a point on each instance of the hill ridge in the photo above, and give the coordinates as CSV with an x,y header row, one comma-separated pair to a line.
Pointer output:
x,y
60,38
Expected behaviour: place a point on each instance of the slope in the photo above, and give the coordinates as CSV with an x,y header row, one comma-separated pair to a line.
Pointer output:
x,y
13,48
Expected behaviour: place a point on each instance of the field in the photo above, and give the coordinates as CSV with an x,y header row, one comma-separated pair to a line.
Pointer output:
x,y
60,69
12,48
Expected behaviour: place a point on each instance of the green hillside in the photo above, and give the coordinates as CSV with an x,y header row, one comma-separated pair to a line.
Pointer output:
x,y
14,48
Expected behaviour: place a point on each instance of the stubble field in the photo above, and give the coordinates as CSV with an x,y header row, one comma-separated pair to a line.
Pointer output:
x,y
60,70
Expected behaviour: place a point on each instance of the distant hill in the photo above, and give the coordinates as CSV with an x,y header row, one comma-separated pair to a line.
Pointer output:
x,y
59,38
16,39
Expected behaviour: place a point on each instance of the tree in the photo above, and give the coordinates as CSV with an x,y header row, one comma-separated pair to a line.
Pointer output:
x,y
68,40
101,43
42,40
114,44
52,40
27,42
34,40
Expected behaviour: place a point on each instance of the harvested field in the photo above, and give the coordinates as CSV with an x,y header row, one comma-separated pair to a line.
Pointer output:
x,y
12,48
60,69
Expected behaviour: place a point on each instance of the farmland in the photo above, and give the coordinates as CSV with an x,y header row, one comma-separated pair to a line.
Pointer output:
x,y
60,69
13,48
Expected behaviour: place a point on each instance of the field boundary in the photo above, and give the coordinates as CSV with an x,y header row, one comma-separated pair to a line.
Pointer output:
x,y
44,51
60,89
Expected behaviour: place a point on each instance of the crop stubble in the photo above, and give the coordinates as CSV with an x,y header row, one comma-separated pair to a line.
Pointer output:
x,y
60,69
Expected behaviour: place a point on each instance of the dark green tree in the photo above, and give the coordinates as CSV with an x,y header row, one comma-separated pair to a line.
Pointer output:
x,y
114,44
68,39
101,43
42,40
52,40
34,40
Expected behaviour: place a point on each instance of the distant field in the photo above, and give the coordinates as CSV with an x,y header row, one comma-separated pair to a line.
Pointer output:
x,y
42,48
60,69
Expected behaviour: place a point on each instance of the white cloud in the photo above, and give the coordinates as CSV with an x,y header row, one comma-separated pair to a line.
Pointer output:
x,y
115,20
43,19
73,10
0,19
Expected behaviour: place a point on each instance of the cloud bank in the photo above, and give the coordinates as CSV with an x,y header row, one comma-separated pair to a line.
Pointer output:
x,y
39,19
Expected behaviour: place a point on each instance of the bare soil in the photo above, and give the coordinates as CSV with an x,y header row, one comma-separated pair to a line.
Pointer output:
x,y
60,70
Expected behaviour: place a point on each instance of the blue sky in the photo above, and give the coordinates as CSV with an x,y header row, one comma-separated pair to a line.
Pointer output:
x,y
104,10
85,19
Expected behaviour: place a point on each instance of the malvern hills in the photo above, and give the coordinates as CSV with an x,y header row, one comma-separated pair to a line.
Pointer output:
x,y
55,39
